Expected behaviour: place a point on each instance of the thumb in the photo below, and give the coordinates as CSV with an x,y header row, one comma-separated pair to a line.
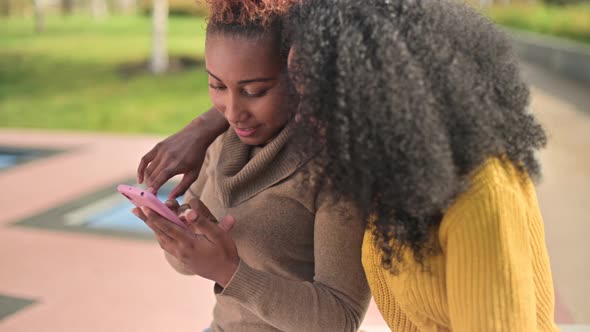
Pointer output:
x,y
199,224
227,223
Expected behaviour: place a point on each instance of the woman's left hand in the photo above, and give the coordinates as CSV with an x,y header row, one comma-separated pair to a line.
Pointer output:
x,y
212,255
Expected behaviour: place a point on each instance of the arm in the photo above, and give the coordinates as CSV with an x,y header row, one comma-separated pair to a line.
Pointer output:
x,y
338,297
490,282
181,153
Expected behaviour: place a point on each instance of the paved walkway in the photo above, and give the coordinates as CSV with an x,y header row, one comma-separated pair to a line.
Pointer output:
x,y
564,193
69,281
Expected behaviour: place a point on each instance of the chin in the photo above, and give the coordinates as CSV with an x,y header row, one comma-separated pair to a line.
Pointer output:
x,y
252,140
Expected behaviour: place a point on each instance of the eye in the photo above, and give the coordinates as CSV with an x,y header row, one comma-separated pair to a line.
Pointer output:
x,y
216,86
255,94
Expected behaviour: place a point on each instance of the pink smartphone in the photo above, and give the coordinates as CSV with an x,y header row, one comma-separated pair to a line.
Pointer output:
x,y
140,197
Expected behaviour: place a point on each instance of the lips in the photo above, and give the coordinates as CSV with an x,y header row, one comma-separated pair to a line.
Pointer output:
x,y
245,132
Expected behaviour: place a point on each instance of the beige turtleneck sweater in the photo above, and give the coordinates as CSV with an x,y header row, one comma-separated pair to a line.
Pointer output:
x,y
300,251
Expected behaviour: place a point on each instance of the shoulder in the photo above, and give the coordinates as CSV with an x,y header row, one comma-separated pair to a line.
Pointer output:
x,y
497,195
217,145
213,153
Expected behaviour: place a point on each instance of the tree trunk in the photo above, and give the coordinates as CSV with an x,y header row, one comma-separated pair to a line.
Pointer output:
x,y
159,60
5,8
39,19
127,6
67,6
99,9
485,3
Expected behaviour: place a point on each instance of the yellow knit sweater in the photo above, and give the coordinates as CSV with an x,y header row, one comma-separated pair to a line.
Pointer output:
x,y
493,273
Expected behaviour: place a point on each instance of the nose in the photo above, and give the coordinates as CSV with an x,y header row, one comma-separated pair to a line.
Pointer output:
x,y
235,111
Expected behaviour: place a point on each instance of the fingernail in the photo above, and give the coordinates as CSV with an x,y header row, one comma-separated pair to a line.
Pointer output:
x,y
144,210
191,215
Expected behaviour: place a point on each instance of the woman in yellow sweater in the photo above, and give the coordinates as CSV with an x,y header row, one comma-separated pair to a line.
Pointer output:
x,y
423,115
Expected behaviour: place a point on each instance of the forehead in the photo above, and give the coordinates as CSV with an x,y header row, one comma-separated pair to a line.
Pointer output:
x,y
235,58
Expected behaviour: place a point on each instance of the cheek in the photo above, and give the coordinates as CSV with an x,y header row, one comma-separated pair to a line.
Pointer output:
x,y
275,111
217,100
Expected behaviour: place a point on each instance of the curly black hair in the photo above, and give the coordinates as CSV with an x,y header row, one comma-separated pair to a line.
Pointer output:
x,y
410,97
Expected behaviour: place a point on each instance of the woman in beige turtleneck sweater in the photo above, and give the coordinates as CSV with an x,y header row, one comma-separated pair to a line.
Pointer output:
x,y
293,261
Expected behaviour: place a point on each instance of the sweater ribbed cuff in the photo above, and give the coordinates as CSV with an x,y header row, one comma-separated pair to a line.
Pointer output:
x,y
247,284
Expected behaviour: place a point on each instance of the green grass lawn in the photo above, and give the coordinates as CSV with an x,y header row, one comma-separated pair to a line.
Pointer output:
x,y
69,76
571,22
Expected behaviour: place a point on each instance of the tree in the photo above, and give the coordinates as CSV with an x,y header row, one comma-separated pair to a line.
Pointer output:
x,y
99,9
159,59
126,6
39,18
5,8
67,6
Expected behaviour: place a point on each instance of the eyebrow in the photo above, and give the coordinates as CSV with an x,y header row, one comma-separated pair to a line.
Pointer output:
x,y
259,79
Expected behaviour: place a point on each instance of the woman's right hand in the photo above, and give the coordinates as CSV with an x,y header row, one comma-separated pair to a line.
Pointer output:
x,y
205,248
181,153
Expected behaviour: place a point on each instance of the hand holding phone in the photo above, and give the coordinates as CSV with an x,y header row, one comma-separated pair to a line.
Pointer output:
x,y
141,198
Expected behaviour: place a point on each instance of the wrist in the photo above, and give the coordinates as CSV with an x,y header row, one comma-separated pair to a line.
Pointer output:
x,y
208,126
228,272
